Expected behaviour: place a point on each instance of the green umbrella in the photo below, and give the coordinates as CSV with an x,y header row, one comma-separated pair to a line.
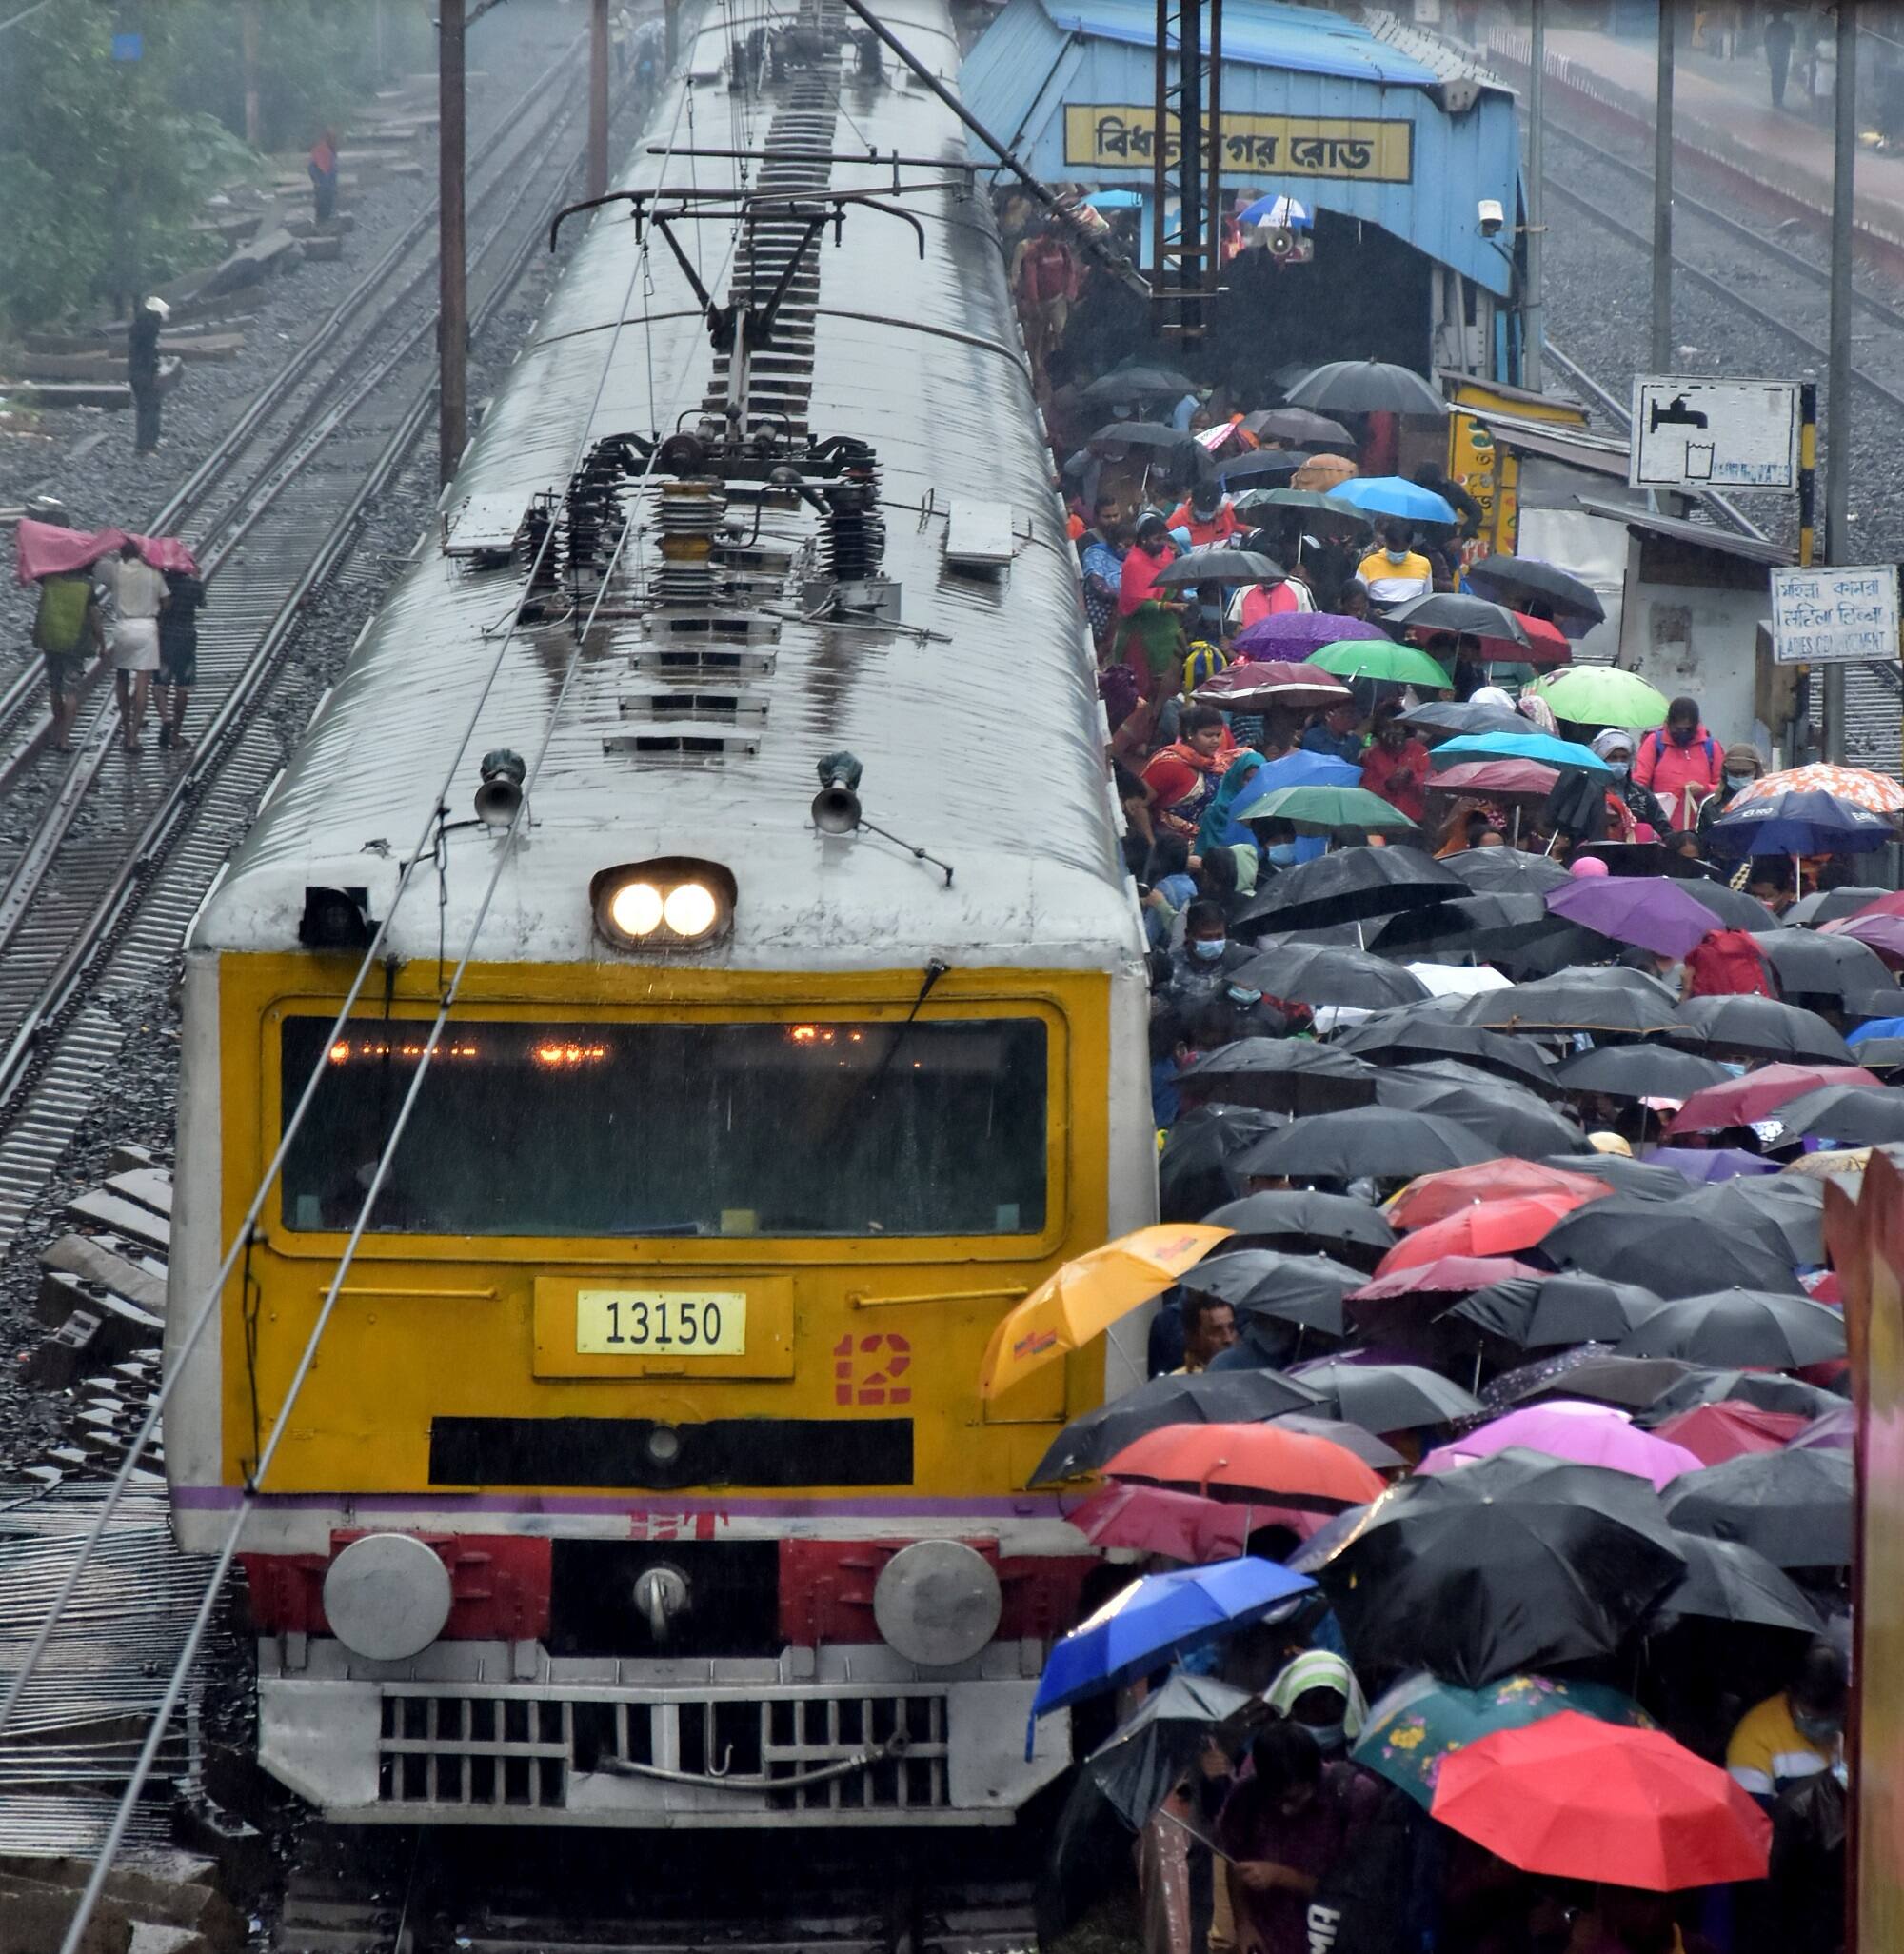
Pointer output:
x,y
1602,695
1407,665
1412,1728
1321,807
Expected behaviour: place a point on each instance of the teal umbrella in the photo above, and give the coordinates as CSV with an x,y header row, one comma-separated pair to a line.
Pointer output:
x,y
1531,745
1422,1719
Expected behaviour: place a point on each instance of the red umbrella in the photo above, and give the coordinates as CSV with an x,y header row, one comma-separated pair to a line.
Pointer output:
x,y
1254,1464
1270,682
1431,1197
1576,1798
1498,777
1731,1428
1447,1275
1759,1094
1180,1524
1546,645
1489,1227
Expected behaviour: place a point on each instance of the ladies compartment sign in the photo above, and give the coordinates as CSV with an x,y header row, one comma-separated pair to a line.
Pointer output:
x,y
1834,616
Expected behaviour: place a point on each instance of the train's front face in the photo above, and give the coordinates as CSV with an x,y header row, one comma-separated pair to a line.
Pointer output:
x,y
643,1477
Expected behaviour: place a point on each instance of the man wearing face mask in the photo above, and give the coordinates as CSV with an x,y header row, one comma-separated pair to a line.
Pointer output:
x,y
1795,1733
1742,767
1200,965
1396,573
1319,1690
1680,762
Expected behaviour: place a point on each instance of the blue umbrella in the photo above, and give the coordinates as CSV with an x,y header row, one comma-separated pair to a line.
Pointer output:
x,y
1115,200
1394,495
1300,769
1156,1618
1876,1027
1276,209
1811,823
1528,745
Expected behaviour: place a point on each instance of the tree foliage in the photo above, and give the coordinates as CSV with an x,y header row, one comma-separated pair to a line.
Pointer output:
x,y
104,163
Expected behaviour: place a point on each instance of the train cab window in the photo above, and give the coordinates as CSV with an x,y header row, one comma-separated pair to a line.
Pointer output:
x,y
703,1128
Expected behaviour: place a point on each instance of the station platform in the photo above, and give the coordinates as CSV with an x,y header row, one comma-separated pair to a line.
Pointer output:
x,y
1780,158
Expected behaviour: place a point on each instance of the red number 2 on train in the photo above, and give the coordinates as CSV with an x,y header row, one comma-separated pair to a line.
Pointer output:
x,y
866,1369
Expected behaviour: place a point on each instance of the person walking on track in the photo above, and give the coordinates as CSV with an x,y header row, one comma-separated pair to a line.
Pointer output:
x,y
138,596
178,654
65,625
142,371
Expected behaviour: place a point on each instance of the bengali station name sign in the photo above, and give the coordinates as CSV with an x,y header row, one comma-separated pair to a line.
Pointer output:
x,y
1113,137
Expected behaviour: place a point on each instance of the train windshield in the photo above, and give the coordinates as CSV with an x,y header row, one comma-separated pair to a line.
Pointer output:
x,y
738,1129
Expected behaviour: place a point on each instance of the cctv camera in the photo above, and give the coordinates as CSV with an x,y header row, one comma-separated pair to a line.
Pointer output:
x,y
1490,215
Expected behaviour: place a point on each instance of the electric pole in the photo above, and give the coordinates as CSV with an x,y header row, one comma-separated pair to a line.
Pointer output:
x,y
1838,378
597,98
1534,310
1662,197
248,23
453,318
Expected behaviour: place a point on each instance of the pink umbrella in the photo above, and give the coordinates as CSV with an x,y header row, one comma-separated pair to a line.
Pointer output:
x,y
1876,930
1729,1430
1569,1428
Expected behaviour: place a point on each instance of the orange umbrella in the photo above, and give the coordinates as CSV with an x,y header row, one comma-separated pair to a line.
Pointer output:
x,y
1858,784
1248,1462
1488,1228
1087,1295
1321,472
1434,1197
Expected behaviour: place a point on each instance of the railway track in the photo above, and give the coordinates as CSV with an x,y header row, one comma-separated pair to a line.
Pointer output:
x,y
97,897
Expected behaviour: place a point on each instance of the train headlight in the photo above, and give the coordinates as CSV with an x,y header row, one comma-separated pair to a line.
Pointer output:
x,y
670,904
938,1602
387,1597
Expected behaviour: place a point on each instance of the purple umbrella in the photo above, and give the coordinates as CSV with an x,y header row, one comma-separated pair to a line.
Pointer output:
x,y
1708,1164
1569,1429
1298,634
1830,1431
1646,909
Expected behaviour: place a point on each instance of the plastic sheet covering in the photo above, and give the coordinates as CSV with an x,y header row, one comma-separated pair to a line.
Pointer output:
x,y
43,549
981,744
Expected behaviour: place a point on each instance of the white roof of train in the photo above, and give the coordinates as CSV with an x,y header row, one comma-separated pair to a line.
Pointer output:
x,y
985,750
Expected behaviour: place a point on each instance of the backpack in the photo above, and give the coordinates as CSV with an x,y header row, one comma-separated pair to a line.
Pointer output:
x,y
1203,664
1727,962
59,625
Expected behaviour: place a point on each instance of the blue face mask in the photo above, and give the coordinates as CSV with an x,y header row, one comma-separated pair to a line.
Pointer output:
x,y
1208,948
1620,768
1330,1738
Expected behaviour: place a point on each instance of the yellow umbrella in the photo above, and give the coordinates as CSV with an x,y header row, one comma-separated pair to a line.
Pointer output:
x,y
1087,1295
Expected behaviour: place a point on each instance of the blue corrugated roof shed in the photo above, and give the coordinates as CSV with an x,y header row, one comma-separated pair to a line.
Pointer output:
x,y
1289,71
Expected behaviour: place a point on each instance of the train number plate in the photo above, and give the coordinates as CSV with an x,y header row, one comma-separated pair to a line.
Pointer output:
x,y
661,1323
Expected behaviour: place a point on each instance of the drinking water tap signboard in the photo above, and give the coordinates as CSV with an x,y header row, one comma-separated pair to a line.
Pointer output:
x,y
1834,616
1692,433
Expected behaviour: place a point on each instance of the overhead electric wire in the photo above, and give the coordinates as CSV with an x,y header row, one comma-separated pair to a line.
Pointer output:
x,y
40,6
208,1306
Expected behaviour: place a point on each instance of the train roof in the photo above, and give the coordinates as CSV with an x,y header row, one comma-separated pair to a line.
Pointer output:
x,y
977,721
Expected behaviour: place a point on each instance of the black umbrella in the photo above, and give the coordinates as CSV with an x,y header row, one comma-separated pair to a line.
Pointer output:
x,y
1739,1327
1733,906
1266,464
1506,871
1785,1210
1377,1141
1194,1172
1219,567
1634,1383
1345,886
1831,906
1504,1118
1747,1026
1520,580
1321,513
1764,1390
1852,1115
1206,1397
1316,973
1803,960
1154,435
1454,716
1625,1175
1386,1397
1297,425
1728,1582
1565,1308
1578,1001
1514,930
1303,1289
1135,379
1792,1507
1452,611
1639,1071
1365,387
1880,1054
1303,1217
1513,1562
1338,1431
1678,1248
1137,1767
1408,1036
1290,1075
